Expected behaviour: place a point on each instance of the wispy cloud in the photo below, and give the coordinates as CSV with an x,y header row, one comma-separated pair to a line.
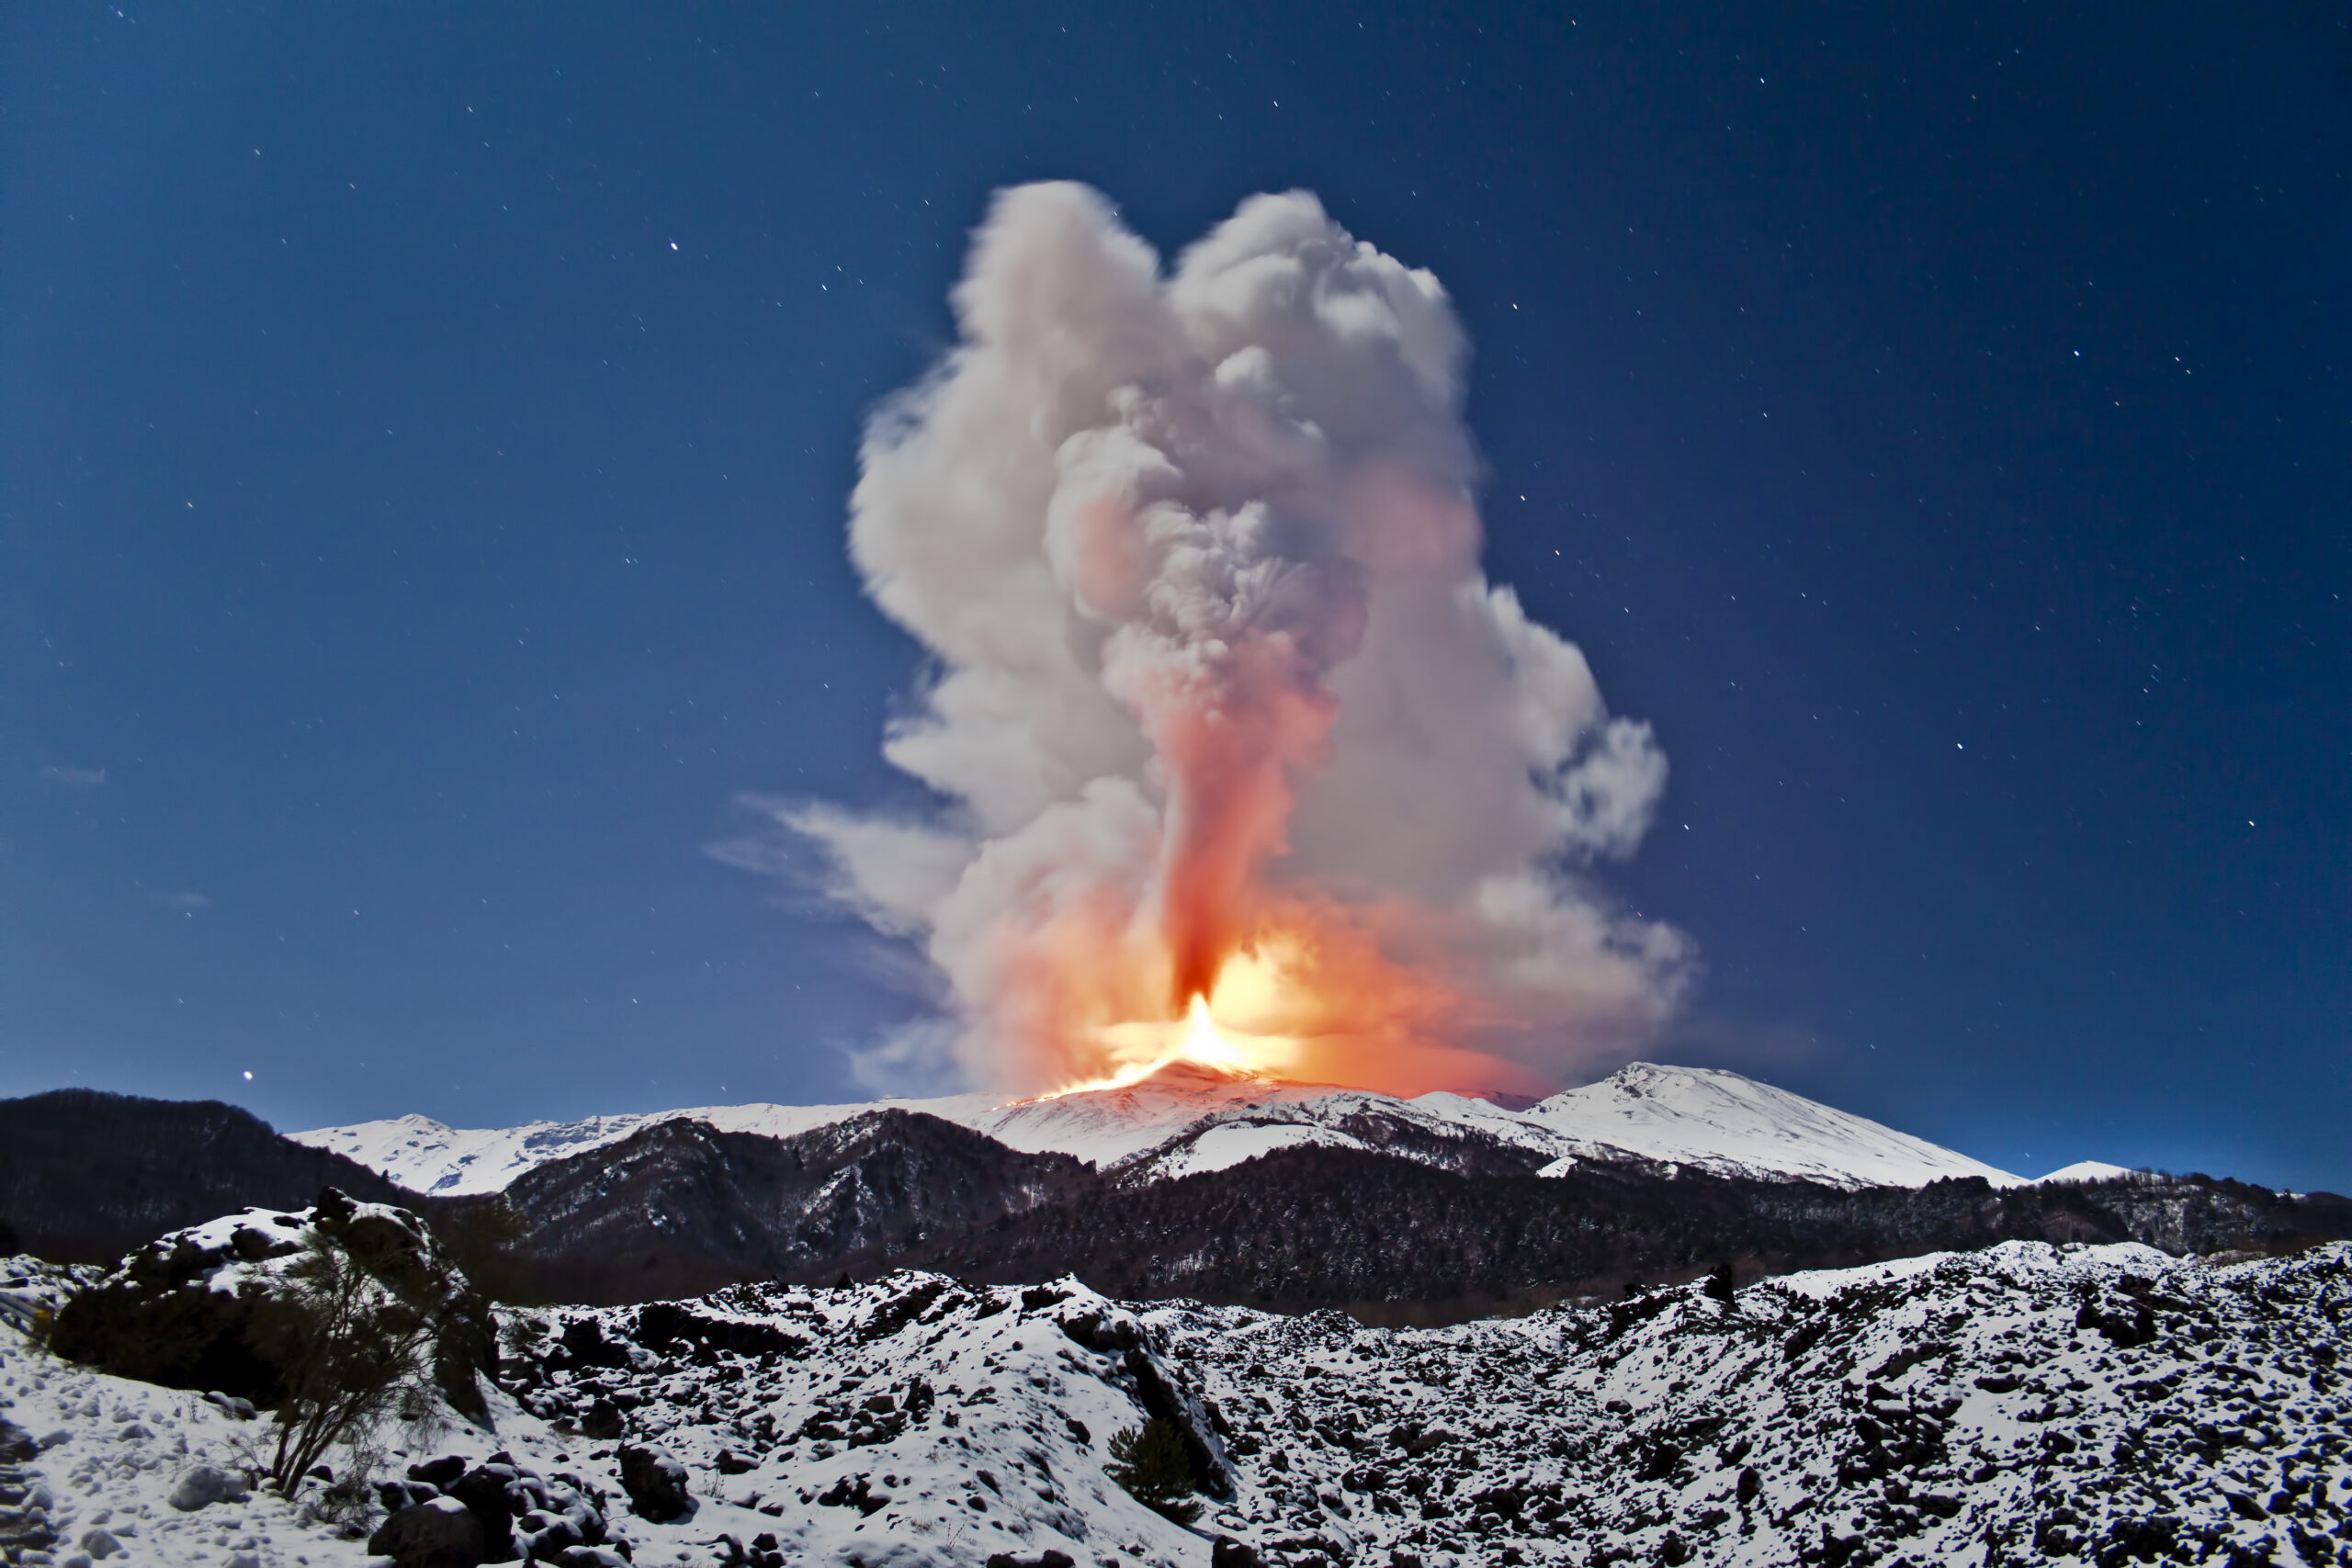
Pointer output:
x,y
183,900
915,1058
75,778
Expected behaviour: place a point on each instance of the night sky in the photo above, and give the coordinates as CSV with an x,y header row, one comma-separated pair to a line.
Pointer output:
x,y
425,431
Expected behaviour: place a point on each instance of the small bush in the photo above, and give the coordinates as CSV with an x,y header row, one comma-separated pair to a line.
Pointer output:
x,y
346,1348
1150,1462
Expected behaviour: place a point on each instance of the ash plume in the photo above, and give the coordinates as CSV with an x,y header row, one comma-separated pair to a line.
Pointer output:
x,y
1220,684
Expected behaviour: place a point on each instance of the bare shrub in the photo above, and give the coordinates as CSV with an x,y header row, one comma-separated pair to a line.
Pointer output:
x,y
347,1351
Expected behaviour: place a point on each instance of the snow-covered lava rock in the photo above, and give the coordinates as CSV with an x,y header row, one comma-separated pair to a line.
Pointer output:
x,y
2021,1404
2091,1403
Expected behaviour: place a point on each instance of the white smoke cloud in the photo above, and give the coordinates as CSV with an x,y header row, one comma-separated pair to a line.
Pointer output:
x,y
1197,557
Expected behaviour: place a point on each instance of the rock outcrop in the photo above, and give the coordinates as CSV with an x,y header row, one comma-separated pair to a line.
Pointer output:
x,y
186,1310
511,1513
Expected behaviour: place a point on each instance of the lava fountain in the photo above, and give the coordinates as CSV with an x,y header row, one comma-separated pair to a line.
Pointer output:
x,y
1244,763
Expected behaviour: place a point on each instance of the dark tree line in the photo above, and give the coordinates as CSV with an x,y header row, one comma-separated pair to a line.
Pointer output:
x,y
84,1176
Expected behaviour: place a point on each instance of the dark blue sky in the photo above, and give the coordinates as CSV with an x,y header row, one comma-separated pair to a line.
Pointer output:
x,y
424,431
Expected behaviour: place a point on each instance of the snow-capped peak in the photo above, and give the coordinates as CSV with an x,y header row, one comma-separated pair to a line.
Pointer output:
x,y
1730,1125
1177,1123
2085,1171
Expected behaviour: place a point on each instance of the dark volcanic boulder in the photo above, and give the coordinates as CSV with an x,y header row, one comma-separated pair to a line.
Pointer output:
x,y
438,1471
442,1533
491,1494
563,1518
517,1512
16,1445
188,1309
156,1317
1170,1401
656,1484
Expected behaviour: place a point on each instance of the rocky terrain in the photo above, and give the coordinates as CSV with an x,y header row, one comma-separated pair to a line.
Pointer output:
x,y
2026,1403
190,1309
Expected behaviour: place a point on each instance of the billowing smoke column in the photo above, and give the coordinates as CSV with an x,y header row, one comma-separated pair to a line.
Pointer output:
x,y
1224,707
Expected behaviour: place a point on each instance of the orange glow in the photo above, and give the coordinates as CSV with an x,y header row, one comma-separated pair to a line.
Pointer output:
x,y
1310,1000
1119,956
1143,1049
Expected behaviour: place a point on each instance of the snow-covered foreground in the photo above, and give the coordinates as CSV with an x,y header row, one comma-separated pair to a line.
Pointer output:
x,y
1185,1121
2019,1405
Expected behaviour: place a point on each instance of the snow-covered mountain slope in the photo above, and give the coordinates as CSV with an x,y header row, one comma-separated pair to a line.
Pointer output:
x,y
430,1156
1731,1125
1186,1120
2021,1404
1105,1126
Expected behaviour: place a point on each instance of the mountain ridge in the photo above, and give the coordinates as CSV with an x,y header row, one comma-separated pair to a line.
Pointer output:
x,y
1405,1234
1187,1122
1344,1199
86,1175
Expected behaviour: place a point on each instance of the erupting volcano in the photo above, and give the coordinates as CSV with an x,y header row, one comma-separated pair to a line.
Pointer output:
x,y
1239,760
1267,1014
